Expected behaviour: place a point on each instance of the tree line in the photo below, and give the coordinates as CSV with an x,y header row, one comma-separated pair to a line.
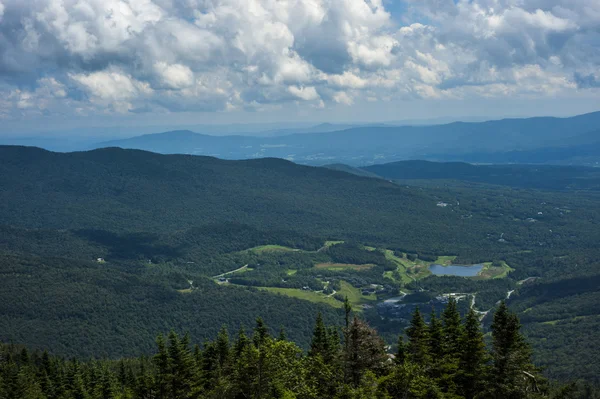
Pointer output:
x,y
446,358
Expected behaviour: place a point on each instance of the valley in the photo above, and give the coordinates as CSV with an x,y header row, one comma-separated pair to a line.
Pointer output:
x,y
272,238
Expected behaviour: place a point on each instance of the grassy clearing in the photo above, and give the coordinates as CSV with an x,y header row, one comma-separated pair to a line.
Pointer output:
x,y
185,291
291,272
355,295
343,266
242,271
272,248
408,270
445,260
347,290
311,296
332,243
489,271
566,321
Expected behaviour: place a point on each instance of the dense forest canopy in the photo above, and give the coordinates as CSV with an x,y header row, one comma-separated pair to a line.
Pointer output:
x,y
101,250
446,358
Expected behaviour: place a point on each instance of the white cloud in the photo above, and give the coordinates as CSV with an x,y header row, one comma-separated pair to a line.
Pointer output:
x,y
343,98
208,55
174,76
304,93
111,85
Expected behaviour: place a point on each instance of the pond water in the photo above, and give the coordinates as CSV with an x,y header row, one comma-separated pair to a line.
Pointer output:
x,y
455,270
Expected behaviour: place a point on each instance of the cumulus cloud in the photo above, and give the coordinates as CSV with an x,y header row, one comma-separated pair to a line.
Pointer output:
x,y
103,56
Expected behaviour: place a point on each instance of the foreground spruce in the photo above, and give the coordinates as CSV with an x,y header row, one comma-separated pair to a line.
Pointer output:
x,y
446,358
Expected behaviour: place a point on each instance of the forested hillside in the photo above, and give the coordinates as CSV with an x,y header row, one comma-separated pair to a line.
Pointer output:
x,y
547,177
446,358
102,250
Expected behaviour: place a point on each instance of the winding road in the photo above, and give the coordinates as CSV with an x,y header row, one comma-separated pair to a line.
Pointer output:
x,y
231,272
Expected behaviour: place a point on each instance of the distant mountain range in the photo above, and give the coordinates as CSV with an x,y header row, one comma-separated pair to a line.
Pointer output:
x,y
542,140
573,140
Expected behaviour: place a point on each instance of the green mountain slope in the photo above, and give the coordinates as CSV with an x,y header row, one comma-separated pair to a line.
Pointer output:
x,y
548,177
158,221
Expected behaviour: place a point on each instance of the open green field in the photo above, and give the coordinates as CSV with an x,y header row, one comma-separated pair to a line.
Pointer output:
x,y
489,271
408,270
316,297
272,248
353,294
445,260
343,266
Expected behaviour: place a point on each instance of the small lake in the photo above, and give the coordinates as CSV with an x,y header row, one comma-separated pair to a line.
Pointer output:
x,y
455,270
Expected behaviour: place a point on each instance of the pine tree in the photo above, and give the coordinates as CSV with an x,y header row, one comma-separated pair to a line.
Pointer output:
x,y
319,345
223,348
366,351
452,329
473,358
105,387
513,375
261,333
182,366
241,342
435,337
400,352
261,338
282,334
144,382
333,338
418,340
163,373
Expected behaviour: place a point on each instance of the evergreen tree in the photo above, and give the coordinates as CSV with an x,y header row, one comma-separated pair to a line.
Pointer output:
x,y
144,383
319,345
223,348
261,333
513,375
418,340
366,351
448,361
163,372
452,329
473,358
282,335
181,365
241,342
435,337
400,357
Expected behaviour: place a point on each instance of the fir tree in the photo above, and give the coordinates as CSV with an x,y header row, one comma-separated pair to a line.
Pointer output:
x,y
240,343
319,345
366,351
400,357
261,333
418,340
181,364
513,375
473,358
163,373
452,329
435,337
223,348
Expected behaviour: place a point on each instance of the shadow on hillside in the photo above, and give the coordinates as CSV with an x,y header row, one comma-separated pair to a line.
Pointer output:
x,y
130,246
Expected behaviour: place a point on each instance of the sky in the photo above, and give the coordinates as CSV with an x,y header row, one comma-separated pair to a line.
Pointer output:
x,y
66,64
